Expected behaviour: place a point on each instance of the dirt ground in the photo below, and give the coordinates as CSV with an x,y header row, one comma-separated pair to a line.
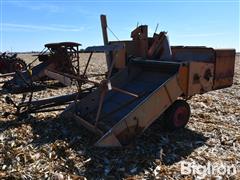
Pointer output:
x,y
46,147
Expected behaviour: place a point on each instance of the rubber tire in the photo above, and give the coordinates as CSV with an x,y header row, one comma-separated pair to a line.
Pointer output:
x,y
177,115
18,61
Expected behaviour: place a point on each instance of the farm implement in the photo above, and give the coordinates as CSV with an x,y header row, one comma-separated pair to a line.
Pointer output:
x,y
146,79
81,79
10,63
151,79
56,57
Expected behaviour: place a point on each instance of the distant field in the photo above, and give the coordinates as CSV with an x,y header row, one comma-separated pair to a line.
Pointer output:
x,y
29,57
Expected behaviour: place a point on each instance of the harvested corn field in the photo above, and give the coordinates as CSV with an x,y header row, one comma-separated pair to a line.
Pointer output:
x,y
46,146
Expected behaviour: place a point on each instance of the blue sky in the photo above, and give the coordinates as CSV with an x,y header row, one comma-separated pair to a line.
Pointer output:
x,y
27,25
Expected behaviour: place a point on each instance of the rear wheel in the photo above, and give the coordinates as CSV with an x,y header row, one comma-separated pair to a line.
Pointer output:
x,y
177,115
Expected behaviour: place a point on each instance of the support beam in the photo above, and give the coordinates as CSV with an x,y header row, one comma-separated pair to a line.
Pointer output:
x,y
105,38
104,29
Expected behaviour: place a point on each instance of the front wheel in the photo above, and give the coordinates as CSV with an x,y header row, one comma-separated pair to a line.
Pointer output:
x,y
18,65
177,115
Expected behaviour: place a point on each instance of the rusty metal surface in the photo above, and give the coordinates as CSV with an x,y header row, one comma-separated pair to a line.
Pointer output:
x,y
140,32
64,44
62,79
10,63
105,48
183,79
132,90
160,48
157,84
60,57
142,116
120,57
193,53
224,68
104,26
200,79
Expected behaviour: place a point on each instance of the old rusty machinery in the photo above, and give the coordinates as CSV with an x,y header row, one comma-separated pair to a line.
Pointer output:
x,y
146,78
84,84
151,78
56,57
65,57
54,60
10,63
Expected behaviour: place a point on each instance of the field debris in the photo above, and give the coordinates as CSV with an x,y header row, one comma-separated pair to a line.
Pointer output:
x,y
44,146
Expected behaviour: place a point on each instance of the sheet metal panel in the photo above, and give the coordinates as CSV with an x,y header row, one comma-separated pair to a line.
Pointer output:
x,y
224,68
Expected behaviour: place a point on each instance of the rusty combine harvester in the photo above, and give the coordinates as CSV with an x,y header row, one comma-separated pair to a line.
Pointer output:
x,y
57,58
148,78
10,63
84,87
54,61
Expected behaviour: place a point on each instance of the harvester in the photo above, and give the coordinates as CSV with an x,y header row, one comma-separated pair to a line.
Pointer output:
x,y
54,59
65,72
147,79
10,63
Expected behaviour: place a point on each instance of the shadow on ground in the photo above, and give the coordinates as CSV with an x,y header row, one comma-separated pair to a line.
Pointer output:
x,y
154,145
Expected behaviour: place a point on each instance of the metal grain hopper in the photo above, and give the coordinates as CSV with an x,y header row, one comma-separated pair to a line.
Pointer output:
x,y
146,79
